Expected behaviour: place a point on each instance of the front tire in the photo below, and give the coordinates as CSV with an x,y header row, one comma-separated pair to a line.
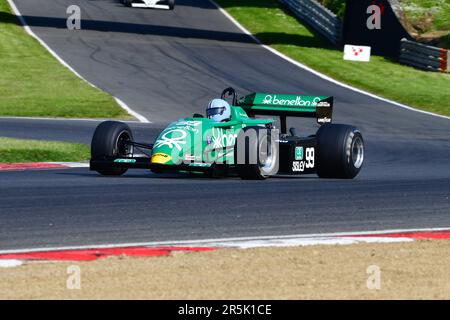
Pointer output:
x,y
109,142
340,151
260,153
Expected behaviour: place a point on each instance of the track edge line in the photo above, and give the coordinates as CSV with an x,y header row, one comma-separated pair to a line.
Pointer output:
x,y
209,242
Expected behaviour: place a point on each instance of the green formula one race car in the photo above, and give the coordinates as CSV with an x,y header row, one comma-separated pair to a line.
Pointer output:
x,y
230,140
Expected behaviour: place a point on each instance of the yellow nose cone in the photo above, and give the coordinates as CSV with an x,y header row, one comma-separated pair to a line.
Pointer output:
x,y
160,158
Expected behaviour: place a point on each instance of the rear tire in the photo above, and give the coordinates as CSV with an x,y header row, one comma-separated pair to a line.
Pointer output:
x,y
108,142
171,4
340,151
260,158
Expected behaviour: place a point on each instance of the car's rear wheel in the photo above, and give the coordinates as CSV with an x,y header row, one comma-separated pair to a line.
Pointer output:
x,y
256,153
109,141
340,151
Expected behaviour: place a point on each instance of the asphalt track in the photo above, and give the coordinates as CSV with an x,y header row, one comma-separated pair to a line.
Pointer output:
x,y
168,64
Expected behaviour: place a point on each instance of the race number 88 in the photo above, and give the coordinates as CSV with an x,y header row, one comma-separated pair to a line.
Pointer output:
x,y
309,156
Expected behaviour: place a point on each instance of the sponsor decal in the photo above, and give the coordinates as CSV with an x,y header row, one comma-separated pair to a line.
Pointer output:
x,y
191,157
293,101
267,99
298,166
200,164
323,104
308,163
188,128
125,161
298,153
189,123
223,138
160,158
172,138
324,120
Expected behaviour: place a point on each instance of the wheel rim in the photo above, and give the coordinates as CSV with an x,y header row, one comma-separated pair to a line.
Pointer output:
x,y
357,152
267,156
123,149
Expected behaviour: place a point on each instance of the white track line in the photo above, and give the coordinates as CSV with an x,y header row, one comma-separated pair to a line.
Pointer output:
x,y
16,11
10,263
138,116
229,242
321,75
72,164
14,167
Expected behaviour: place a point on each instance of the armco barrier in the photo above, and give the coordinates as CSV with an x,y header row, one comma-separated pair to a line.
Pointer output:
x,y
318,17
424,57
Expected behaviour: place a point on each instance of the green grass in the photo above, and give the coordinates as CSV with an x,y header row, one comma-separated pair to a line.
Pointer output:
x,y
34,83
431,15
18,150
274,26
337,6
423,15
429,20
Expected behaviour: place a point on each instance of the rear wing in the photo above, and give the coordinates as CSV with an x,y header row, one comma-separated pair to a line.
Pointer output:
x,y
283,105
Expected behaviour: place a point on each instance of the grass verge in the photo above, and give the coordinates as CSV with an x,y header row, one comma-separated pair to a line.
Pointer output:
x,y
427,15
33,83
413,270
275,26
18,150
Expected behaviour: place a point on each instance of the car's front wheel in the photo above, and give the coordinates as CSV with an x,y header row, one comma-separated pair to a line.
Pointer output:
x,y
340,151
110,141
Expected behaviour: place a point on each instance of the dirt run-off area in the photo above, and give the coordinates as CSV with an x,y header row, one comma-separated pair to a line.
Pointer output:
x,y
410,270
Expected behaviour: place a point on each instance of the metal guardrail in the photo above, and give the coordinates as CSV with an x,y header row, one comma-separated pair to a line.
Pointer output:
x,y
424,57
318,17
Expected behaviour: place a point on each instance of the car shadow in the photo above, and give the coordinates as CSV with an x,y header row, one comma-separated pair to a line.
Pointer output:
x,y
132,174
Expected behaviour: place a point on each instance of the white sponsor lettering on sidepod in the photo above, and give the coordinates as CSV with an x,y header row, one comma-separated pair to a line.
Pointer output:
x,y
189,123
293,102
221,139
298,166
309,163
176,141
188,128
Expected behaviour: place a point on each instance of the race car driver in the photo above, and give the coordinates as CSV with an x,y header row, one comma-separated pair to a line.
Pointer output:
x,y
218,110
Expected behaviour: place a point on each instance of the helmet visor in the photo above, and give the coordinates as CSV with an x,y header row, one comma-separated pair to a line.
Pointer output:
x,y
214,111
